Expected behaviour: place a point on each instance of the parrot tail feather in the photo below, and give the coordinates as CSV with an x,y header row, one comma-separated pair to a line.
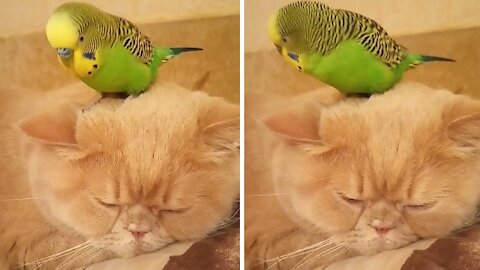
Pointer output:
x,y
428,58
177,51
164,54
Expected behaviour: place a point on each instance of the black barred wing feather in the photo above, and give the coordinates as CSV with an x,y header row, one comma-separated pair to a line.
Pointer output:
x,y
373,37
136,42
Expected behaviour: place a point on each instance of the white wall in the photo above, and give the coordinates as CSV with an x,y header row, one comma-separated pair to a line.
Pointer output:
x,y
398,17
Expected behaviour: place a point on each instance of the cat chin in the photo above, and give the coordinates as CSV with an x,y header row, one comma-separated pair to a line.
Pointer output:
x,y
375,246
126,246
132,250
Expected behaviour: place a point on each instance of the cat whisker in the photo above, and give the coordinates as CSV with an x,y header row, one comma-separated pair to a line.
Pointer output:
x,y
71,251
304,250
57,255
335,248
76,255
227,223
99,254
80,250
21,199
71,259
233,215
233,218
340,252
467,224
221,232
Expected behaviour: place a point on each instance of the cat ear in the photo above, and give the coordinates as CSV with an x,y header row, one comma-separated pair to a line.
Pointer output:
x,y
464,125
295,125
224,134
221,130
55,126
299,126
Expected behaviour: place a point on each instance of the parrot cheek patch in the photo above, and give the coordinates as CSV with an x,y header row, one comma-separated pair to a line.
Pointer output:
x,y
94,66
293,56
86,68
93,70
86,64
89,55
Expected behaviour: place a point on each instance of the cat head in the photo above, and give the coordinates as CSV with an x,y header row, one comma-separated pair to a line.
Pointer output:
x,y
380,173
139,173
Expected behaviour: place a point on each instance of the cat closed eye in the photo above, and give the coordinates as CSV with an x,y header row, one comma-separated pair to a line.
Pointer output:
x,y
172,210
349,199
106,204
420,206
110,205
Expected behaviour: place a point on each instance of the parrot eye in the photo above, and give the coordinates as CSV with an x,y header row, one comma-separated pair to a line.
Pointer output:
x,y
284,39
64,52
81,38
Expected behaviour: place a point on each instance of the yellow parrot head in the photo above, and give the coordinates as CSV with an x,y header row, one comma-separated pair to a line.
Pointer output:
x,y
62,33
280,41
274,32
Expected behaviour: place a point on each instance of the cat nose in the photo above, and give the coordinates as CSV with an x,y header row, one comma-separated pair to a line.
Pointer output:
x,y
381,231
137,232
381,228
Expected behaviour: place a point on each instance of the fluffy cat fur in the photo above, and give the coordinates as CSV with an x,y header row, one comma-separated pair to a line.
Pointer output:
x,y
328,180
121,178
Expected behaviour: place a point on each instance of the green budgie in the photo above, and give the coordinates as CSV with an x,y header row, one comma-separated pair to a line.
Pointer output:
x,y
341,48
106,52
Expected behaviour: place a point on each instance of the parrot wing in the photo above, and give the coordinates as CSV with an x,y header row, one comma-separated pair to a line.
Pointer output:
x,y
133,40
376,40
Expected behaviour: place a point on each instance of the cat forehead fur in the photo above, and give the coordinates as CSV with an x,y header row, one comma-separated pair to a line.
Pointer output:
x,y
404,113
168,145
394,140
180,114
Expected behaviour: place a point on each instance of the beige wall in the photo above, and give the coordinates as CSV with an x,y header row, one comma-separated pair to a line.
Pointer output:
x,y
28,16
213,25
397,17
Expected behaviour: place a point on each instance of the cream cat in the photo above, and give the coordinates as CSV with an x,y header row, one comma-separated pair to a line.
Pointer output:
x,y
119,179
325,182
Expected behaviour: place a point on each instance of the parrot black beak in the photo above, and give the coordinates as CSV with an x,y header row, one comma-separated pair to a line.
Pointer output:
x,y
279,48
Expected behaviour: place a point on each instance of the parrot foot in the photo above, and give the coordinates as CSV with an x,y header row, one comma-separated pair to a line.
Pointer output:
x,y
124,96
88,107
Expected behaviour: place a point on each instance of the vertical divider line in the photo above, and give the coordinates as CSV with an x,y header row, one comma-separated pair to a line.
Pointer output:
x,y
242,134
